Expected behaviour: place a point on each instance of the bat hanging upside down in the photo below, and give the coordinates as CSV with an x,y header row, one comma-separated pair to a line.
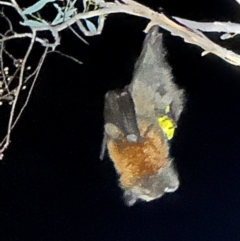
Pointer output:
x,y
139,122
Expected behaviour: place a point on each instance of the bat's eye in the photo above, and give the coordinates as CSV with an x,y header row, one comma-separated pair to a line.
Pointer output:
x,y
167,126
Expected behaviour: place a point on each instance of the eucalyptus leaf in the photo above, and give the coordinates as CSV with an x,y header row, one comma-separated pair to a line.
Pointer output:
x,y
227,36
36,24
72,4
58,19
37,6
71,12
64,17
58,8
91,26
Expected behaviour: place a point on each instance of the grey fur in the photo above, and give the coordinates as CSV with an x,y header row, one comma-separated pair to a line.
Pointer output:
x,y
150,92
153,87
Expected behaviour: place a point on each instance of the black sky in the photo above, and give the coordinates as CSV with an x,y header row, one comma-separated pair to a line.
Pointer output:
x,y
53,185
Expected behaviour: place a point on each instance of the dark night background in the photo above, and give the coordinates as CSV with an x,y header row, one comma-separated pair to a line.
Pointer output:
x,y
53,185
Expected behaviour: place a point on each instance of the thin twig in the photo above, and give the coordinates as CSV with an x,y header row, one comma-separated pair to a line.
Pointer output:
x,y
2,67
44,42
10,122
31,88
78,36
8,20
18,9
67,56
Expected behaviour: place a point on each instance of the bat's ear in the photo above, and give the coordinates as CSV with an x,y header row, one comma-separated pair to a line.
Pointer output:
x,y
129,198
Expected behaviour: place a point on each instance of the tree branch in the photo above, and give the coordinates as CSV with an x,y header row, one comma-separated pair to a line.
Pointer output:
x,y
10,122
190,35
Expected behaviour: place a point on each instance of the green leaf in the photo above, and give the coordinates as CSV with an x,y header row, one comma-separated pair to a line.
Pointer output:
x,y
64,17
37,6
91,26
36,24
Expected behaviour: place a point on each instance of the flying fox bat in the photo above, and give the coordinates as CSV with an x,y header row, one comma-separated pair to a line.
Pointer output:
x,y
139,122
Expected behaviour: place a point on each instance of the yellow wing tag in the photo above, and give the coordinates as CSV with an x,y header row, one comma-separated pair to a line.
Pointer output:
x,y
167,124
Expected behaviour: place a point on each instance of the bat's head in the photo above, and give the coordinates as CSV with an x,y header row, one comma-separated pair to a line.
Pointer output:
x,y
145,168
152,187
